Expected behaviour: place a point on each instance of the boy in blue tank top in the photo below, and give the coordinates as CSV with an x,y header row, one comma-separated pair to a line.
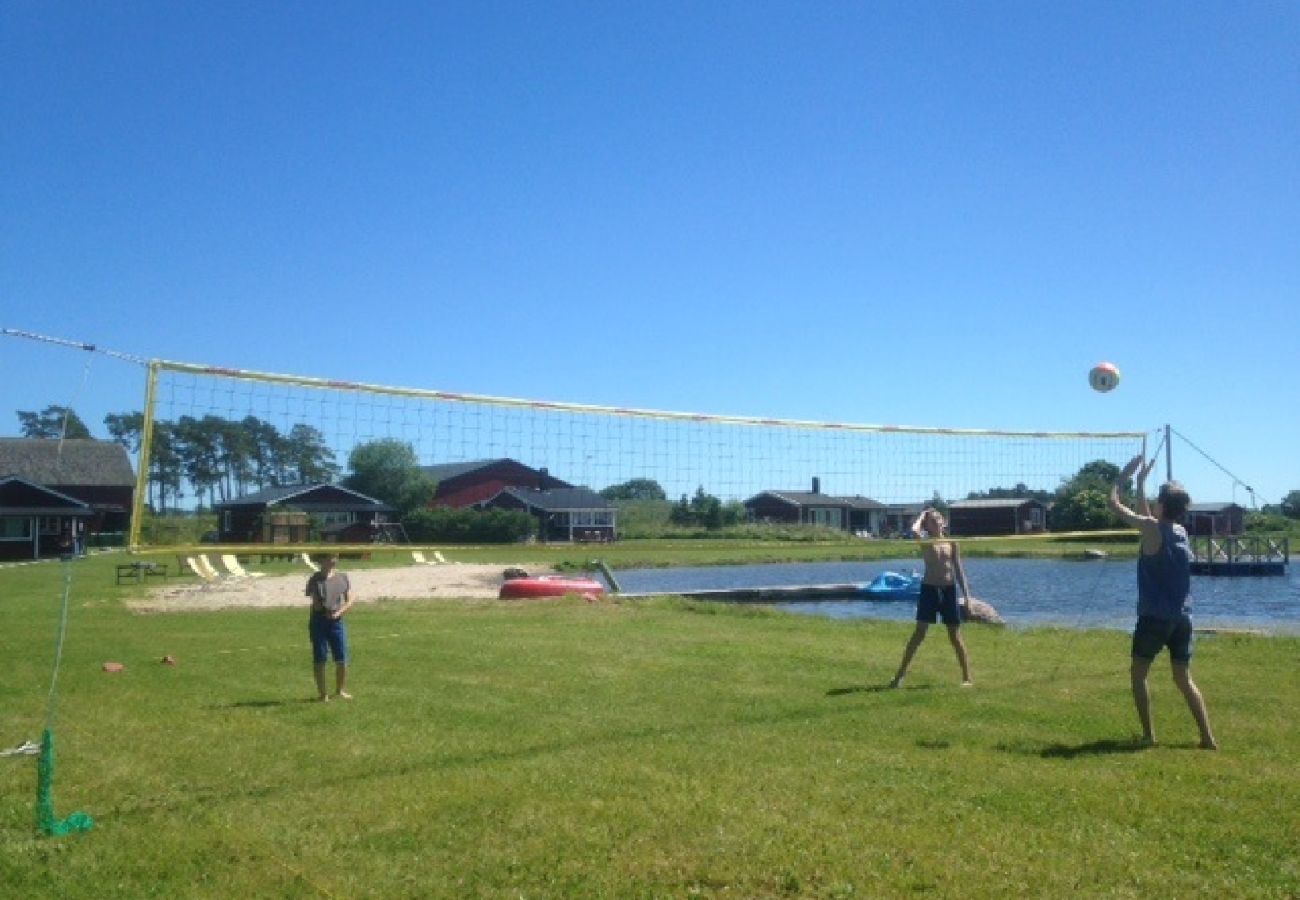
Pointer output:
x,y
1164,588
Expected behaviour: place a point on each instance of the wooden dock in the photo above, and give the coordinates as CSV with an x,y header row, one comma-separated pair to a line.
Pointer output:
x,y
1240,555
790,594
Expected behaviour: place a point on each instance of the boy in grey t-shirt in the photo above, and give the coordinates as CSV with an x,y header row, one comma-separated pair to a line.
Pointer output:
x,y
331,597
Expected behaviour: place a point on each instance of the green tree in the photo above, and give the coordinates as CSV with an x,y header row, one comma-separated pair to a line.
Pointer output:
x,y
636,489
706,510
305,457
197,446
1290,505
166,468
50,423
1082,501
126,429
1020,491
388,470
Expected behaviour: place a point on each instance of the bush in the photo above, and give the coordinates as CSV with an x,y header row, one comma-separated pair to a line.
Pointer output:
x,y
175,529
468,526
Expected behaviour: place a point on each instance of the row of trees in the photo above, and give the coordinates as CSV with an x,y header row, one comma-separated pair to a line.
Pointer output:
x,y
218,459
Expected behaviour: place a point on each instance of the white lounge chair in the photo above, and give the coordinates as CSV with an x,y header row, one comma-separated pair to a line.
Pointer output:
x,y
209,570
193,565
419,558
441,560
233,566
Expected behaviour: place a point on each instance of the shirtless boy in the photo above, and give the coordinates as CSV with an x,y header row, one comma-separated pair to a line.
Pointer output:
x,y
944,573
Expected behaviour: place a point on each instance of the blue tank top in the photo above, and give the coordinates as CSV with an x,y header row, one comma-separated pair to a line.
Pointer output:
x,y
1164,577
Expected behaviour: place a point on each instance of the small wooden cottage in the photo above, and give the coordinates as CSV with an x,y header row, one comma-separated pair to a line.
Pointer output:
x,y
469,483
98,474
991,516
290,514
563,514
37,522
1215,519
860,515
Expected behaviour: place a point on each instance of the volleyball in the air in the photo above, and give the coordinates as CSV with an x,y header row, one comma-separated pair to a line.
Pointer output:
x,y
1104,377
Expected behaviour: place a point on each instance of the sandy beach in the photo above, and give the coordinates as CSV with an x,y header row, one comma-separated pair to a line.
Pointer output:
x,y
418,582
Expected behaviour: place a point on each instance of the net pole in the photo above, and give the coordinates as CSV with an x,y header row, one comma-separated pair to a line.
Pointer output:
x,y
146,457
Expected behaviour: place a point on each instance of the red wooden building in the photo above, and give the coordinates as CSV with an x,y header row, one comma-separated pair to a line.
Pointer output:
x,y
470,483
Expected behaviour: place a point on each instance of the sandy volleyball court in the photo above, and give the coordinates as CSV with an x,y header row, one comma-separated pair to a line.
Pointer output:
x,y
456,580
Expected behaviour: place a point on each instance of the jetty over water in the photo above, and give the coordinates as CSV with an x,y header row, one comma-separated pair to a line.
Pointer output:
x,y
776,594
1240,555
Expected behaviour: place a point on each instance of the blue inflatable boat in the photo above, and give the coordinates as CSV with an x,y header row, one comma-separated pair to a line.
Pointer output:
x,y
893,586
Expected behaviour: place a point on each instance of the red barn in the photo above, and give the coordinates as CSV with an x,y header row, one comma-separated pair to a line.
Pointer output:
x,y
471,483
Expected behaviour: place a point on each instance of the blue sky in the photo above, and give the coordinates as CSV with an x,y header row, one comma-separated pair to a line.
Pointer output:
x,y
936,214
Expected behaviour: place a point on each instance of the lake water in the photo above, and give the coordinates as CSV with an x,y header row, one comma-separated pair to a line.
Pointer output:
x,y
1026,592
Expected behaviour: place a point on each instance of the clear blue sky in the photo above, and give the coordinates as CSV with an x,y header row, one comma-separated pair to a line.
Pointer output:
x,y
914,213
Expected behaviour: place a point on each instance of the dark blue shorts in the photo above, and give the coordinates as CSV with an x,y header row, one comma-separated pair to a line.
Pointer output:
x,y
1151,635
938,602
328,637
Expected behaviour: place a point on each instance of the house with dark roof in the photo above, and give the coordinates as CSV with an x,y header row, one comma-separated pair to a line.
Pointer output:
x,y
563,514
1215,519
96,473
988,516
289,514
897,518
472,483
860,515
36,521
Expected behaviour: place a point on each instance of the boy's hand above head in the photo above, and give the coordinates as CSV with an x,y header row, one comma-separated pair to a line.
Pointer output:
x,y
1131,467
1146,470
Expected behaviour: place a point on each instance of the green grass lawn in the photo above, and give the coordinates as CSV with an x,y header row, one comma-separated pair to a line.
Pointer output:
x,y
656,749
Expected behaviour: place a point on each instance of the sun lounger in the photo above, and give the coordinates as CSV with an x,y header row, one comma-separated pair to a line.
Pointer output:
x,y
419,558
193,565
209,570
441,560
233,566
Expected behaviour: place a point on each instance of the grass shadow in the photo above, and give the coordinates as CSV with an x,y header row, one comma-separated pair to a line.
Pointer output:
x,y
1105,747
876,689
265,704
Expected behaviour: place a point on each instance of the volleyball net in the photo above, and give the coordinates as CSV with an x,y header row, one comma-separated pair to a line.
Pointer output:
x,y
244,443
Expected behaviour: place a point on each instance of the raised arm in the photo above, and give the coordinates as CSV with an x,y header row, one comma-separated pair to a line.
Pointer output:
x,y
1117,506
1144,507
916,530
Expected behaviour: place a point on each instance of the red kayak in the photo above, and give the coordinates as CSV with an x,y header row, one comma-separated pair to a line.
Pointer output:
x,y
550,586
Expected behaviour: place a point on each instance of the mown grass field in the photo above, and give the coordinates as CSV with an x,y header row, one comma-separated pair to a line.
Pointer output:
x,y
661,749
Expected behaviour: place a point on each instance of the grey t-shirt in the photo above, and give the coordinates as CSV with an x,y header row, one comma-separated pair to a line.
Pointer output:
x,y
327,593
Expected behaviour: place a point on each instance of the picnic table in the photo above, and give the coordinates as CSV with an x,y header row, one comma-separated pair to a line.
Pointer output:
x,y
136,572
